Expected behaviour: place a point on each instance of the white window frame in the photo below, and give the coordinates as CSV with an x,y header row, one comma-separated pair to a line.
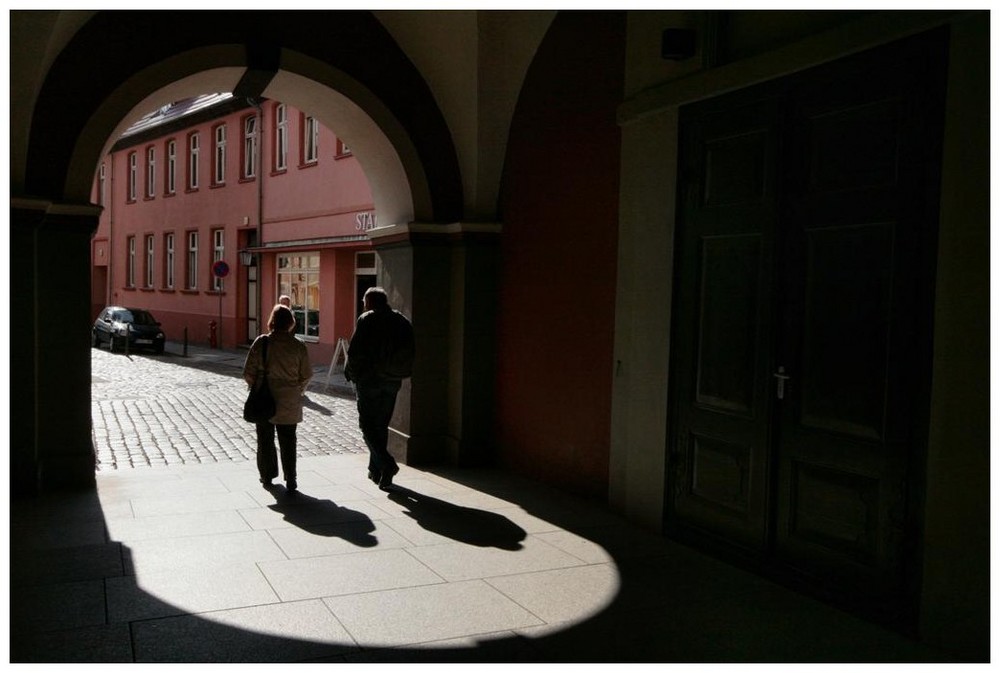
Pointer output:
x,y
311,149
150,259
168,247
192,263
102,184
194,151
250,147
218,254
171,167
150,172
130,266
280,137
220,154
133,169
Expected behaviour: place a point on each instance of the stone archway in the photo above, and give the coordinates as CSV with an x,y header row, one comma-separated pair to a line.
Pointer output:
x,y
121,64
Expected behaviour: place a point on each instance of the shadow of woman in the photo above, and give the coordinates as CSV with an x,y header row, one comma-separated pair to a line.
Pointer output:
x,y
463,524
326,518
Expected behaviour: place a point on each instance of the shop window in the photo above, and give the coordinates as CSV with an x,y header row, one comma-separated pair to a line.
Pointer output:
x,y
298,277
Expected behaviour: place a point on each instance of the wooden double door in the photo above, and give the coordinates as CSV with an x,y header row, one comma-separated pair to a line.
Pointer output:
x,y
802,322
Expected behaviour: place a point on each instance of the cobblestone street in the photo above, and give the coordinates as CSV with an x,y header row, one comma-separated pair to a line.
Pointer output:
x,y
169,409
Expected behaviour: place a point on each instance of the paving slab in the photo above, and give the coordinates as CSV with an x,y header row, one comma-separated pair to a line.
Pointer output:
x,y
191,590
298,579
297,631
430,613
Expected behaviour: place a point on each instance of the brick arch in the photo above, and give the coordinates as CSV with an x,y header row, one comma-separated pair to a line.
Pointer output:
x,y
121,64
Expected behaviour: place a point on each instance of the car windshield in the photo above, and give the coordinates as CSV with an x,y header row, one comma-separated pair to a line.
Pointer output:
x,y
136,317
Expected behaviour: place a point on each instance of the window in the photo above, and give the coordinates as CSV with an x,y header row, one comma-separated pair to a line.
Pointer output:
x,y
219,158
192,261
342,149
102,184
218,253
149,260
171,185
310,150
132,170
249,147
193,151
298,277
280,137
150,172
168,261
130,265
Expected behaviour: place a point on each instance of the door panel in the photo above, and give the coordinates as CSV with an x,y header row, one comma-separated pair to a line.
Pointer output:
x,y
719,478
801,344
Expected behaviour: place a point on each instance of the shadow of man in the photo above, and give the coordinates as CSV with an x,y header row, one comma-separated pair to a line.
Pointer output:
x,y
462,524
325,518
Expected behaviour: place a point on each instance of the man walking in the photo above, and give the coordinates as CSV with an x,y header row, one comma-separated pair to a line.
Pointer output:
x,y
379,357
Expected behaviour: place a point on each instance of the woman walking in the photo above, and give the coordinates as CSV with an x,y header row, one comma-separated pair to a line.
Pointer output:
x,y
286,365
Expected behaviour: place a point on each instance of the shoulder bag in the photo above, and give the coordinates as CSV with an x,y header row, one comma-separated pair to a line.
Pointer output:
x,y
260,405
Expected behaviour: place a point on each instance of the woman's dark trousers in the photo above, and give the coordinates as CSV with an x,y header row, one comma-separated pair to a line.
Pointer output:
x,y
267,458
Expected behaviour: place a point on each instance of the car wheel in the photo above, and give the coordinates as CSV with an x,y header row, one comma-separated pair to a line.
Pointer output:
x,y
111,344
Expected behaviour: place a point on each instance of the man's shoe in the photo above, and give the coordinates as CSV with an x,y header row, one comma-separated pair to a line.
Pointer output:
x,y
267,484
292,486
385,483
375,476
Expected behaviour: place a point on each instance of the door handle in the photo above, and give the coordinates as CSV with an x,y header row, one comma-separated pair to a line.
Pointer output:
x,y
782,377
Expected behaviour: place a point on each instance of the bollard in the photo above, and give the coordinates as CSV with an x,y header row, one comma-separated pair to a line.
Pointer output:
x,y
213,337
185,342
128,335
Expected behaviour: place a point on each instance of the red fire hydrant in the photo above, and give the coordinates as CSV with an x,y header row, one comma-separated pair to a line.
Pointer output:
x,y
213,335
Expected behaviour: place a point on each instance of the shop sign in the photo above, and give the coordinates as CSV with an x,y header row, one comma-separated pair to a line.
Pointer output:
x,y
365,221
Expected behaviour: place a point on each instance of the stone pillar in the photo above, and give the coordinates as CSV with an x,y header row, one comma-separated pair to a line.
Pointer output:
x,y
445,278
51,441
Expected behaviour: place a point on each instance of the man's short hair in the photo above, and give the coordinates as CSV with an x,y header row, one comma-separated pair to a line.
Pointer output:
x,y
376,297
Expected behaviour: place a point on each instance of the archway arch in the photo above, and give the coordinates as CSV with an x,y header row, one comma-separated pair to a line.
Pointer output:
x,y
355,78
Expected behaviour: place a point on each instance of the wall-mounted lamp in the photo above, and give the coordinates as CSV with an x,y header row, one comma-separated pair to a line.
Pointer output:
x,y
247,258
678,44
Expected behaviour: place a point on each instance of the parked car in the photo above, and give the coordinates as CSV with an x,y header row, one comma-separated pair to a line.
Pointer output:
x,y
118,325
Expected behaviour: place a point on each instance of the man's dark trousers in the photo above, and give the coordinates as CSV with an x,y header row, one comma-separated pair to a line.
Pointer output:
x,y
376,401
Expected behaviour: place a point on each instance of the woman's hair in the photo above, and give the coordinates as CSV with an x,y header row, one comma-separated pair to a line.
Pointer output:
x,y
281,320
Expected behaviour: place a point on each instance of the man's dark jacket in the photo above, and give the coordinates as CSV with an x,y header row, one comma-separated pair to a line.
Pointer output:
x,y
382,347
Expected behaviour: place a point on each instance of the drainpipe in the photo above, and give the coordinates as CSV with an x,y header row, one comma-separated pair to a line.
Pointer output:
x,y
111,232
260,210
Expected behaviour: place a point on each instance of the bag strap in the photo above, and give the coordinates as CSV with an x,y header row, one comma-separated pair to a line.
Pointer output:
x,y
264,341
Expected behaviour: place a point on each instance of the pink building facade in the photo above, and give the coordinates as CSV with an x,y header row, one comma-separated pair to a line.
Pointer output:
x,y
214,207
